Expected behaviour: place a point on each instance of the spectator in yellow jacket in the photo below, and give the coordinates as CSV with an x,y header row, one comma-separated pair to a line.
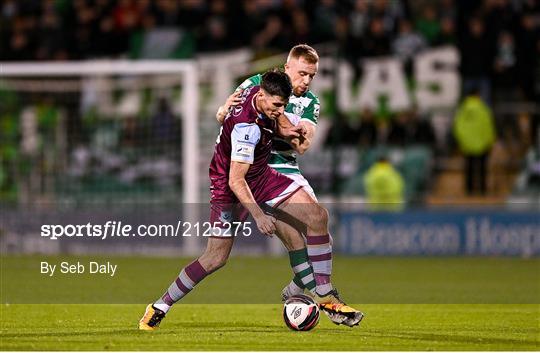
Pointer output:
x,y
384,186
474,131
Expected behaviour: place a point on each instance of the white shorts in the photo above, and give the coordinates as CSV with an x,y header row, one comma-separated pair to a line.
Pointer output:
x,y
285,194
300,180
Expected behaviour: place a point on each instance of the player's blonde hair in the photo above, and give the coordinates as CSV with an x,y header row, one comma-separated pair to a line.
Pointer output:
x,y
304,51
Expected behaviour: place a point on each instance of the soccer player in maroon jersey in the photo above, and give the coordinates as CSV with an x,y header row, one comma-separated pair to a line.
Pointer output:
x,y
311,262
242,180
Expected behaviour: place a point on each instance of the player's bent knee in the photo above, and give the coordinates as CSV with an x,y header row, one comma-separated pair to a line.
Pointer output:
x,y
319,216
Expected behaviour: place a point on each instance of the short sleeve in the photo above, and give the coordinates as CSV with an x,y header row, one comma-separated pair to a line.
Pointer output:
x,y
250,82
311,114
244,138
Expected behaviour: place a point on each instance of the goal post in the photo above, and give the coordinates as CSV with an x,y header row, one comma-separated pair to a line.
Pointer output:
x,y
188,100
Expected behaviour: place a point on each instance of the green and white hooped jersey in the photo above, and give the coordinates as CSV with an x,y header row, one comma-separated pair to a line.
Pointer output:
x,y
307,108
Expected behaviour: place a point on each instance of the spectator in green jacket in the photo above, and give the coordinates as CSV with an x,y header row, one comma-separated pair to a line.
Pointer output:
x,y
384,186
474,131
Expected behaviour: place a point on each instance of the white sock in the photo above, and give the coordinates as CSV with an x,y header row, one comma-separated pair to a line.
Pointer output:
x,y
162,306
294,289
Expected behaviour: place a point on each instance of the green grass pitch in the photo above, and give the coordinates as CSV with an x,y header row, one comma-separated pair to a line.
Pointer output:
x,y
410,304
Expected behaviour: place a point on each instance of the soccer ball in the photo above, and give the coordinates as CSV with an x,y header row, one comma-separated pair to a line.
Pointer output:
x,y
300,313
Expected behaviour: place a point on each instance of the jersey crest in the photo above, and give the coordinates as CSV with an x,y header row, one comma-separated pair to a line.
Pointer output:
x,y
299,104
237,110
298,109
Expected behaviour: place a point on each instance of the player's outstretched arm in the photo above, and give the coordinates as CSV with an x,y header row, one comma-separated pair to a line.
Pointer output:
x,y
234,99
240,188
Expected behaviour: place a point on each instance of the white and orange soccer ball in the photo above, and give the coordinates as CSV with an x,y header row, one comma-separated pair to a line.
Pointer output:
x,y
300,313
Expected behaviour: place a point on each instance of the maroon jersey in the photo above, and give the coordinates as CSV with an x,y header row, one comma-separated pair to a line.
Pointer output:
x,y
246,136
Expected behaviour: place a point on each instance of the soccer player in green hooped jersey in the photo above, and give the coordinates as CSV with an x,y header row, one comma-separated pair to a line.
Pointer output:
x,y
302,110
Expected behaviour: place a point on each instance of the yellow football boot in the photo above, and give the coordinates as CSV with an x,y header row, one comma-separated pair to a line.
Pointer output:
x,y
337,311
151,318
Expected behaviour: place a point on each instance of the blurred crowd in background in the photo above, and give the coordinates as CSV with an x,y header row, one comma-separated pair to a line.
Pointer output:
x,y
496,37
498,41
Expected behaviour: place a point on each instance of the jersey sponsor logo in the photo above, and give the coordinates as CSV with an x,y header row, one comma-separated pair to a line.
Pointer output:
x,y
244,149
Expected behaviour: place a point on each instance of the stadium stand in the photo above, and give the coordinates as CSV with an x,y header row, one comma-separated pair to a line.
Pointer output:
x,y
133,151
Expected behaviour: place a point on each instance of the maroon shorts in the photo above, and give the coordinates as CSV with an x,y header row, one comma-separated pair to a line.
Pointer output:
x,y
223,213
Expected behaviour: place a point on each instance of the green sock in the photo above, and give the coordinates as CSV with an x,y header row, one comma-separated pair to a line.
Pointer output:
x,y
302,269
298,281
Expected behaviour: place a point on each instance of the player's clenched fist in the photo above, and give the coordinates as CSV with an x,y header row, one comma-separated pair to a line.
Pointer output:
x,y
266,224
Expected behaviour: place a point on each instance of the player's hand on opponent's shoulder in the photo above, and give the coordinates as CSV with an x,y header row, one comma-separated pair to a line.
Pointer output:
x,y
266,224
234,99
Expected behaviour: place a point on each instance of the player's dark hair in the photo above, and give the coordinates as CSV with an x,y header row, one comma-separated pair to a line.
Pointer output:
x,y
277,83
